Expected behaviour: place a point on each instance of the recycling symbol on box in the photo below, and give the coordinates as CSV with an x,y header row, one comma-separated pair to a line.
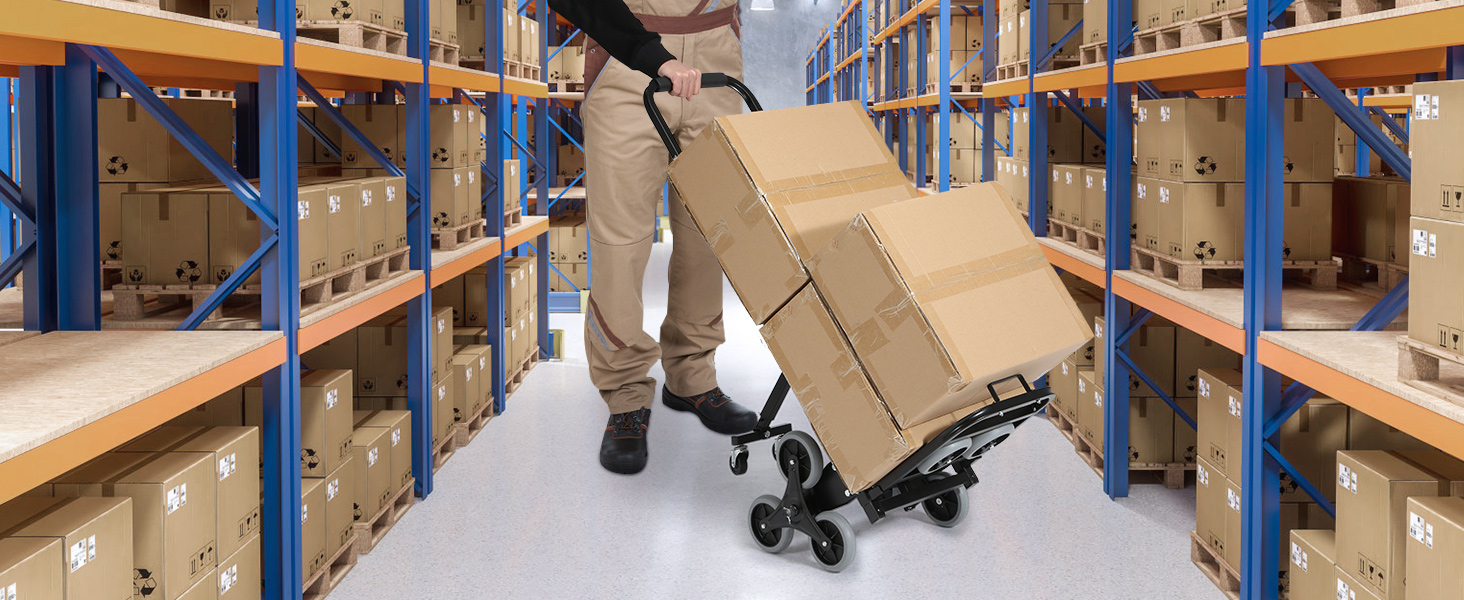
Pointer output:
x,y
356,512
1133,454
1189,454
1288,484
342,10
309,459
440,219
114,250
441,155
143,583
1290,165
402,383
188,272
1205,165
1204,250
1189,384
117,165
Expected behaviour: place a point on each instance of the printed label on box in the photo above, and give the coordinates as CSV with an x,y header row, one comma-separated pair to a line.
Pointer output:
x,y
1164,114
1232,499
1098,398
1203,387
1234,407
1420,109
78,555
1298,556
1415,526
1143,191
396,437
1202,475
365,197
227,578
303,208
334,205
371,457
177,497
1163,195
304,513
332,488
1420,242
331,397
227,465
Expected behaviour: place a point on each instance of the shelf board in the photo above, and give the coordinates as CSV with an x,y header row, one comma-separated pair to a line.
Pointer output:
x,y
526,88
449,264
966,99
1078,262
443,75
570,97
1205,66
530,228
571,193
1400,41
71,396
1360,369
337,67
11,337
1084,79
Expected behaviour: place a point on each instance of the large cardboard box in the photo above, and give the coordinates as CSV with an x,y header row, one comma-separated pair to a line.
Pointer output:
x,y
467,391
470,25
1095,21
240,574
234,452
1434,547
1310,439
371,224
1011,173
1063,379
166,239
451,147
1090,408
1350,588
475,297
383,125
1217,512
381,357
95,535
450,206
1205,221
325,421
1372,517
109,215
340,506
1064,135
1067,194
1309,151
1193,352
511,186
1144,231
764,206
442,394
312,524
1218,419
311,216
1313,557
1370,218
33,567
1434,131
398,424
1094,198
1152,349
374,480
233,232
441,338
1151,431
133,147
937,269
861,438
1201,139
1435,281
1148,137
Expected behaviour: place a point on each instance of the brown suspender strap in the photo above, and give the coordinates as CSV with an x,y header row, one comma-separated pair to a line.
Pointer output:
x,y
697,22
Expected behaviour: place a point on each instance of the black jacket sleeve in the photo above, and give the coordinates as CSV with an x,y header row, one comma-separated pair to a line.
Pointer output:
x,y
615,28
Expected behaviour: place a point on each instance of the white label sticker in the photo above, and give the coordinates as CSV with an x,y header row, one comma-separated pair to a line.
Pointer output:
x,y
1203,387
1415,526
441,326
396,437
331,397
78,555
1235,407
1433,245
1428,535
1420,107
227,465
303,208
1352,481
457,178
1434,112
1232,499
1097,397
1420,242
1098,330
1298,557
441,392
304,513
334,204
227,578
472,175
391,193
1069,178
177,497
1143,114
1064,369
1163,195
365,197
1105,183
482,363
1024,170
1342,591
1202,475
1082,387
1342,472
1088,181
457,116
468,374
371,457
331,489
10,592
91,548
1164,114
1143,191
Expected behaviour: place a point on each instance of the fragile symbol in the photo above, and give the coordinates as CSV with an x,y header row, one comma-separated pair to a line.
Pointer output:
x,y
221,13
134,274
117,165
1205,165
1204,250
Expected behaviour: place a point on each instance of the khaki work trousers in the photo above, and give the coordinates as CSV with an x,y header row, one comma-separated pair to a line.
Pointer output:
x,y
625,169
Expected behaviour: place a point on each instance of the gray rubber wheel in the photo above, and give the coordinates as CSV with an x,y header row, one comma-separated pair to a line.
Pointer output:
x,y
770,540
948,509
797,450
838,553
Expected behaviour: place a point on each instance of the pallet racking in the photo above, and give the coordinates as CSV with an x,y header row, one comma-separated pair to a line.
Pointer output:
x,y
1333,342
77,384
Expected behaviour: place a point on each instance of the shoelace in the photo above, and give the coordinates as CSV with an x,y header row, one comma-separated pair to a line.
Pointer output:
x,y
631,422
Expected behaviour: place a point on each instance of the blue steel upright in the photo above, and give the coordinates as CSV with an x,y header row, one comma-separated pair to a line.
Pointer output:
x,y
1037,123
1117,218
79,274
943,110
419,236
1260,477
280,310
541,206
988,105
494,109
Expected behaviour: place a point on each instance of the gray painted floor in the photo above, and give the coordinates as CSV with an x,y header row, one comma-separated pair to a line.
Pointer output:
x,y
527,512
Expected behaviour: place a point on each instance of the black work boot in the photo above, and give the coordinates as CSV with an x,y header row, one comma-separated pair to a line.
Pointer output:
x,y
716,410
623,450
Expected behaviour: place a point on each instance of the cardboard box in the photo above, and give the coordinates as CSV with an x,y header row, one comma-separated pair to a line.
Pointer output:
x,y
1063,379
1350,588
442,396
1434,280
1090,408
1145,211
371,224
1186,439
1094,198
233,232
1367,433
240,574
1313,558
764,208
511,186
475,297
1152,349
132,147
861,438
1100,350
470,25
325,421
95,538
383,124
1202,221
467,391
381,359
451,146
374,481
902,275
1151,431
1433,548
449,198
441,338
1217,512
1438,179
1193,352
1370,218
205,589
1067,194
312,524
1218,419
1372,515
1150,14
1095,21
1148,141
1089,300
32,566
1011,174
311,223
398,424
1064,135
166,239
1310,136
469,336
109,213
510,36
1201,139
340,507
235,454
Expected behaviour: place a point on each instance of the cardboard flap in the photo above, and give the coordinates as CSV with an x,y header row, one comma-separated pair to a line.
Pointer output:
x,y
806,145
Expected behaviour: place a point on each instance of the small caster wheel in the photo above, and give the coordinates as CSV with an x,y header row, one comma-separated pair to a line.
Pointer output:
x,y
799,458
770,539
948,509
838,553
738,460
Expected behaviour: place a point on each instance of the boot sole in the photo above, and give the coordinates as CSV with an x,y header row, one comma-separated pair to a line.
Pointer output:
x,y
624,467
678,404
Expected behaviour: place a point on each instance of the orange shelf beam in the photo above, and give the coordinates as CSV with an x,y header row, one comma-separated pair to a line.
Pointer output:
x,y
1071,264
1229,336
531,228
326,329
451,270
1206,61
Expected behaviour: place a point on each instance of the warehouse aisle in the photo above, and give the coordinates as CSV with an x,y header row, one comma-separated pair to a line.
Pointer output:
x,y
527,512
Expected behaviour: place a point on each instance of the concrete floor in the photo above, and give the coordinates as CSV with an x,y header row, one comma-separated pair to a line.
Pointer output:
x,y
527,512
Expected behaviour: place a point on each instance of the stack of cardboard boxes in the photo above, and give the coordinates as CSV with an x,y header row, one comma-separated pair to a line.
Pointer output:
x,y
1437,225
456,152
567,65
1074,155
965,144
569,252
174,514
520,312
966,36
1189,199
1014,34
852,276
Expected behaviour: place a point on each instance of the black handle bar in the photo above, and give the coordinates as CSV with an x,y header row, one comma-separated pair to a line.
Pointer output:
x,y
708,80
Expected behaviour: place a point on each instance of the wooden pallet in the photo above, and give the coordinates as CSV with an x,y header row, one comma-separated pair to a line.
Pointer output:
x,y
1316,11
516,377
1214,567
1157,39
957,87
443,52
1092,54
444,450
1190,274
371,532
449,238
569,86
514,218
1094,242
1371,274
197,93
356,34
133,302
1213,28
1011,71
1172,475
324,581
522,70
1418,366
468,430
